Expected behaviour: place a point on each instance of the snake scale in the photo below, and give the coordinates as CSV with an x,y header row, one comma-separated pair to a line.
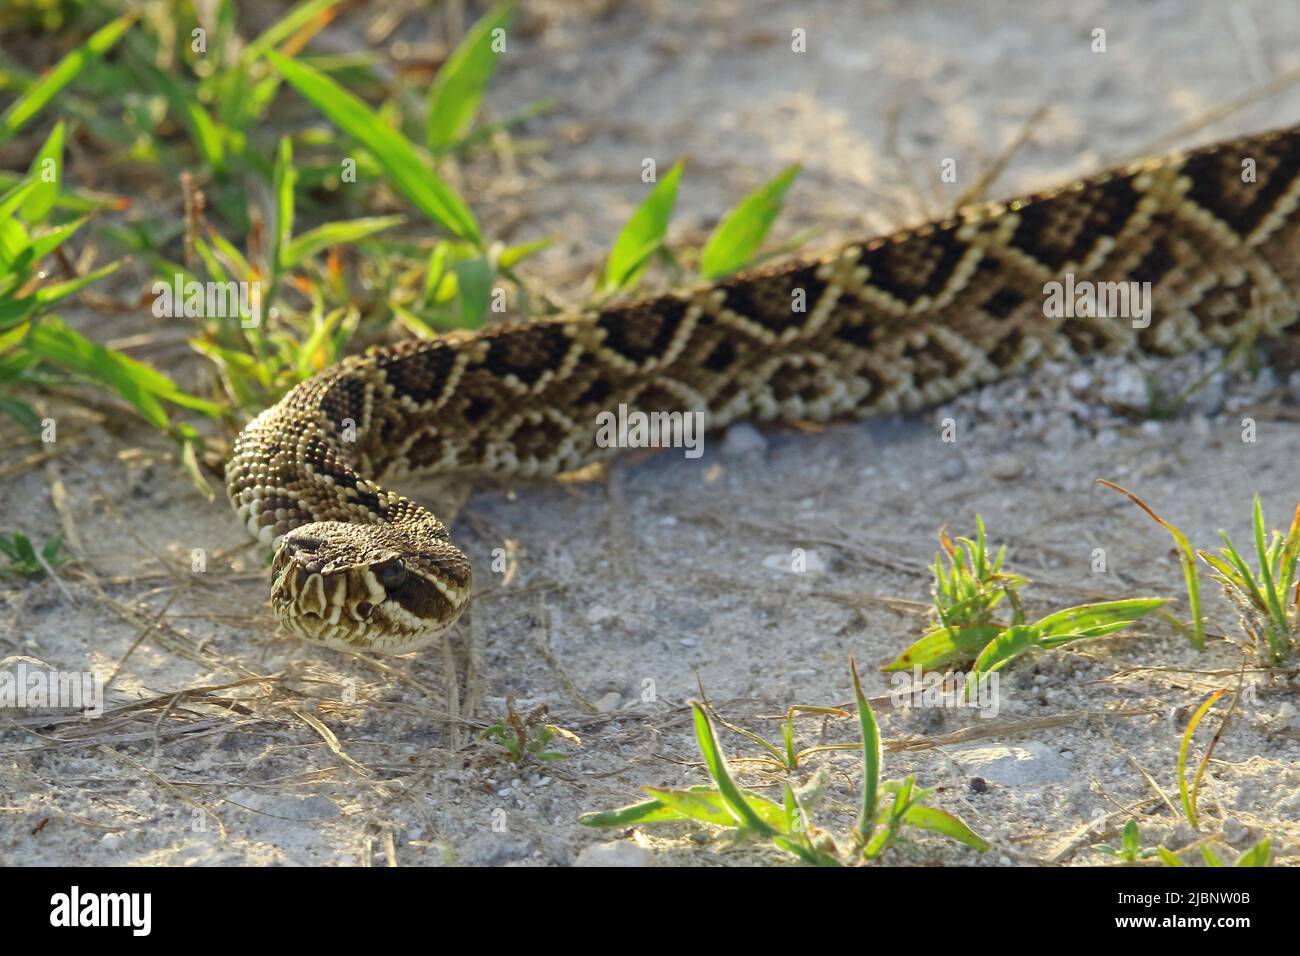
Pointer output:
x,y
891,324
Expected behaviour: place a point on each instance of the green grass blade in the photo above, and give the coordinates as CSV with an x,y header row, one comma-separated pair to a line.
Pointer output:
x,y
709,806
48,295
1167,858
651,811
13,200
14,312
1261,854
1188,795
69,350
335,234
1011,643
139,384
283,180
941,821
1231,574
740,233
22,413
1266,570
15,250
1089,620
65,71
744,814
46,243
515,254
1186,556
289,24
704,806
474,278
78,201
809,855
42,199
456,91
943,646
1132,839
1241,577
390,148
872,757
309,357
191,443
644,233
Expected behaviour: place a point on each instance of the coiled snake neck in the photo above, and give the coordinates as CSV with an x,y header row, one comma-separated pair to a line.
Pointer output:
x,y
895,323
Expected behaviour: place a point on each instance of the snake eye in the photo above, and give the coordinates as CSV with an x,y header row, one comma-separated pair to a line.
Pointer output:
x,y
391,574
364,610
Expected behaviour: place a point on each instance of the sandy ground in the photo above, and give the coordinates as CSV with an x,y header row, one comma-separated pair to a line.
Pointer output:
x,y
224,742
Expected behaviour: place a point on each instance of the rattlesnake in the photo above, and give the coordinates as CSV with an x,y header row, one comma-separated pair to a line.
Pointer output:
x,y
891,324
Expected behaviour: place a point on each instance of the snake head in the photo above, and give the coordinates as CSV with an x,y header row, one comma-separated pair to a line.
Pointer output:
x,y
368,587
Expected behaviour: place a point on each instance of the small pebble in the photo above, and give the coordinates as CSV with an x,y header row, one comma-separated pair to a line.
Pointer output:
x,y
1006,467
743,439
1126,389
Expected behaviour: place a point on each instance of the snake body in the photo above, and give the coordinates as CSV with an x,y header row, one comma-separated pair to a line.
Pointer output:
x,y
892,324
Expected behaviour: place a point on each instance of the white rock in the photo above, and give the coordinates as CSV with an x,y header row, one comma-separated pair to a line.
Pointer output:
x,y
1026,765
1126,389
619,853
609,702
743,439
598,613
811,563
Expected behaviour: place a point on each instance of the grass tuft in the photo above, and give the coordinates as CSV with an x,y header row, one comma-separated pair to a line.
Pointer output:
x,y
885,809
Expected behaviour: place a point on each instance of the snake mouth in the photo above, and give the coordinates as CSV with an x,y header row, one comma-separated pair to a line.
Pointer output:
x,y
389,603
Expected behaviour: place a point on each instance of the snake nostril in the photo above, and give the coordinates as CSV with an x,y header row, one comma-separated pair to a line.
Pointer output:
x,y
364,610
